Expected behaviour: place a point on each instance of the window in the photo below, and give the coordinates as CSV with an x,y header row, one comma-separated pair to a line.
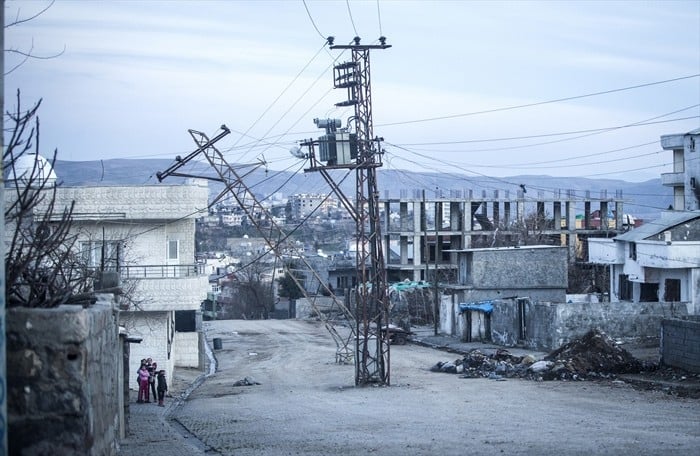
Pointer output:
x,y
672,290
625,292
185,321
104,255
173,250
649,292
633,251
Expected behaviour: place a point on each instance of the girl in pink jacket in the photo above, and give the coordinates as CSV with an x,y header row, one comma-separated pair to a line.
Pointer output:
x,y
143,384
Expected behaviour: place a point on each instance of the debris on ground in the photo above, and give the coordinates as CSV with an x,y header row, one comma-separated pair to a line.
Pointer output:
x,y
246,382
595,355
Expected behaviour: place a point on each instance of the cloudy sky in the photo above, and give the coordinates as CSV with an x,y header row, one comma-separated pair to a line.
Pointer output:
x,y
484,88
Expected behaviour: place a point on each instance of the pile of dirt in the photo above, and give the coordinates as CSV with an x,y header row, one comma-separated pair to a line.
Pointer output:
x,y
595,355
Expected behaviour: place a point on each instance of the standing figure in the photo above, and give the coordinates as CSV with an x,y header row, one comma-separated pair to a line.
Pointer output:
x,y
143,384
162,387
152,372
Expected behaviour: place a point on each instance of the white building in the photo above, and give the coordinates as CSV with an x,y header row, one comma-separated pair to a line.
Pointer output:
x,y
304,204
657,262
146,233
685,178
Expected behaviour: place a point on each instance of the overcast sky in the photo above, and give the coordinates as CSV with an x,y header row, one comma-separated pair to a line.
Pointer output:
x,y
133,76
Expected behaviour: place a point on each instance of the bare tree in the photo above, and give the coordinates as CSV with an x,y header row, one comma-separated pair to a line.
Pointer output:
x,y
42,268
27,53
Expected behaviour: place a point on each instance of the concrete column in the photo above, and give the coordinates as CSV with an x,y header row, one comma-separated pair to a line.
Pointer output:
x,y
604,222
417,232
557,215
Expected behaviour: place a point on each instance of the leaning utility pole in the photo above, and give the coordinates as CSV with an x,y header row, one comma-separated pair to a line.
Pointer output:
x,y
371,313
261,218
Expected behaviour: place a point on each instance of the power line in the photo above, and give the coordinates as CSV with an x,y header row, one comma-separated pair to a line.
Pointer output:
x,y
595,130
379,19
347,2
539,103
312,20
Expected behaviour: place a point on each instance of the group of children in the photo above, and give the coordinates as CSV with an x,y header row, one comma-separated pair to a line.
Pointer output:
x,y
147,377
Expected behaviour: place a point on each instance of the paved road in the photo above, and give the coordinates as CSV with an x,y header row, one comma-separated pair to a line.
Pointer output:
x,y
307,405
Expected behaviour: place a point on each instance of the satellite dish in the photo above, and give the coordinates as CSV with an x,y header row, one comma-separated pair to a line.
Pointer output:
x,y
297,152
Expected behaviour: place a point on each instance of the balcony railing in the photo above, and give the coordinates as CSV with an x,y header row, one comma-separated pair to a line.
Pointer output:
x,y
160,271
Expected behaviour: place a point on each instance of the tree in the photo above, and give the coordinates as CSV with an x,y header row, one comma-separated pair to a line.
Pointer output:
x,y
42,267
288,286
27,53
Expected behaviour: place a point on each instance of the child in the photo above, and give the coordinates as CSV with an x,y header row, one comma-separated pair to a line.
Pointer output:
x,y
152,372
143,384
162,387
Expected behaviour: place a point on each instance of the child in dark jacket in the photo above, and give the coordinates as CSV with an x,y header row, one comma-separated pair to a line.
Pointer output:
x,y
162,387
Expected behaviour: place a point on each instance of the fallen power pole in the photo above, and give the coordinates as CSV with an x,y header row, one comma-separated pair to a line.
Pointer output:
x,y
258,215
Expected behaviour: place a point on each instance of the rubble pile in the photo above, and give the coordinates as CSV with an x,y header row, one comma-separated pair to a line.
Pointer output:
x,y
595,355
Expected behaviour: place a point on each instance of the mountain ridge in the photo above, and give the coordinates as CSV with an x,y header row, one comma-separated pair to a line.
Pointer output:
x,y
643,199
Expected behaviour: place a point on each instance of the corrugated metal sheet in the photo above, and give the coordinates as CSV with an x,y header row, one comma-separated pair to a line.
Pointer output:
x,y
667,221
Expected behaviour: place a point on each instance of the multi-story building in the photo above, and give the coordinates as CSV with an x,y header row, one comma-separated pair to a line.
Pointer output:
x,y
146,234
685,178
660,260
416,246
304,204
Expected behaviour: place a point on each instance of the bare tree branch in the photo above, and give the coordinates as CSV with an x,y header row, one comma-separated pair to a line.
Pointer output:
x,y
29,54
18,21
42,268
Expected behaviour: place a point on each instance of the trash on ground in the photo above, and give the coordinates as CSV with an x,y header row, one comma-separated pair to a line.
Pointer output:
x,y
594,355
246,382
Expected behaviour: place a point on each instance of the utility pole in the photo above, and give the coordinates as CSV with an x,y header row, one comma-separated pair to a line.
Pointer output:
x,y
260,217
372,305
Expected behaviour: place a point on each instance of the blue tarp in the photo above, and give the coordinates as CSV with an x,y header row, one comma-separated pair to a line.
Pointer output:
x,y
480,306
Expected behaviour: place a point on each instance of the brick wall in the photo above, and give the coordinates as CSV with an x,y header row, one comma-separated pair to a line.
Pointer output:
x,y
680,343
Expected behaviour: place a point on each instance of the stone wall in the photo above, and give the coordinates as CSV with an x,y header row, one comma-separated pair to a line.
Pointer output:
x,y
680,343
63,380
548,326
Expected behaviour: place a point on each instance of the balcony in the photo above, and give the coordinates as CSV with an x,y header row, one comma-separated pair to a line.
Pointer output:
x,y
166,287
673,179
160,271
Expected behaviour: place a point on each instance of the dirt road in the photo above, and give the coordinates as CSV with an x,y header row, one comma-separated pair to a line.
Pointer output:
x,y
308,405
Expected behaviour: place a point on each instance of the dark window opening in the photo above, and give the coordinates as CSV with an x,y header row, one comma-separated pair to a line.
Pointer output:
x,y
649,292
672,290
625,292
185,321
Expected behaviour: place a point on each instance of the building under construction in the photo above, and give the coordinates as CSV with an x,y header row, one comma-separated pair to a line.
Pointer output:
x,y
422,234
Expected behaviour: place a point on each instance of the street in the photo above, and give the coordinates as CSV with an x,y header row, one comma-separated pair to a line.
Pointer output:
x,y
307,404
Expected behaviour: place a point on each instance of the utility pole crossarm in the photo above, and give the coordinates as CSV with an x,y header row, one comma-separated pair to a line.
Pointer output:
x,y
180,162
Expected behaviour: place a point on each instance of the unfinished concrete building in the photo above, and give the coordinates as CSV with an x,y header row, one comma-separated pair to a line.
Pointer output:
x,y
422,234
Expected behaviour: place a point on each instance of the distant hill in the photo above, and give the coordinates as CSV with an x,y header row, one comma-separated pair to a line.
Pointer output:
x,y
642,199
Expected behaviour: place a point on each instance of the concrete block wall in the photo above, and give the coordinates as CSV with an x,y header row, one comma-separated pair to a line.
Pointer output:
x,y
186,349
63,380
680,343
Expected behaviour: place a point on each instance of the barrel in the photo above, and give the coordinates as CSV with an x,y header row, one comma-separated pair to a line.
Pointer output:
x,y
217,343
